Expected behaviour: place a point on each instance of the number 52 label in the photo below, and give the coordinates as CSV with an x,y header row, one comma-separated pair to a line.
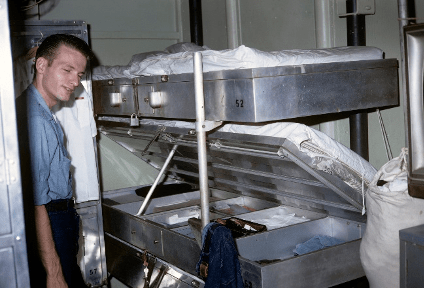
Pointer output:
x,y
239,103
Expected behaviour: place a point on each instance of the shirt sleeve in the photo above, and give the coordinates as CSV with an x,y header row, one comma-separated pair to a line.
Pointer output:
x,y
40,159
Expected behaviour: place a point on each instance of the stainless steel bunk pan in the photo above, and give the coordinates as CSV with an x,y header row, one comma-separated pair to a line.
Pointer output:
x,y
241,166
255,95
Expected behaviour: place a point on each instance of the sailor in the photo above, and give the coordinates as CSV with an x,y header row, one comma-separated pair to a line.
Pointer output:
x,y
60,63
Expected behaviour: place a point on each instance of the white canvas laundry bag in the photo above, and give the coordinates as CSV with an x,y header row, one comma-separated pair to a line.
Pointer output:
x,y
389,209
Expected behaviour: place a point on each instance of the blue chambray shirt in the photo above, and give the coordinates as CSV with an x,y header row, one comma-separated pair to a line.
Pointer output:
x,y
50,165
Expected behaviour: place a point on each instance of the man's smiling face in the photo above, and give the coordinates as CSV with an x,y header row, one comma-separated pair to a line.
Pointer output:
x,y
62,76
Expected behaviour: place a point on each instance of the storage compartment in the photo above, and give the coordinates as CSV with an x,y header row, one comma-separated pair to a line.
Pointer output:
x,y
279,244
240,205
266,213
265,180
331,87
162,203
267,259
166,203
178,217
272,218
281,216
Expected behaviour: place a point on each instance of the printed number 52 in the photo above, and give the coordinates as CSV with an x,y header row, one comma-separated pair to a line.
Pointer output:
x,y
239,103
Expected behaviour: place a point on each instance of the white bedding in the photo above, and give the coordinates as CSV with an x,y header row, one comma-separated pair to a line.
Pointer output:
x,y
165,63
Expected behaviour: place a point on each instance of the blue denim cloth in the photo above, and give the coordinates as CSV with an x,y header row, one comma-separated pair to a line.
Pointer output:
x,y
316,243
65,229
220,252
205,231
50,165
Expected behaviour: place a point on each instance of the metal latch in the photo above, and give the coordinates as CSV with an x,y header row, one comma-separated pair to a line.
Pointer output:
x,y
363,7
169,138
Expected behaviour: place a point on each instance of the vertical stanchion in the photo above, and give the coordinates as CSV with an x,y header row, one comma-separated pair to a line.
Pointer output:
x,y
201,137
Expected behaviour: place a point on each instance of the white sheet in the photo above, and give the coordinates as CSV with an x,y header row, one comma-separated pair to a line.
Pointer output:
x,y
239,58
79,127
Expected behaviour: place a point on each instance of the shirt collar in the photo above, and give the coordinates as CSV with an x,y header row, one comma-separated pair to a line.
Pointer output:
x,y
40,99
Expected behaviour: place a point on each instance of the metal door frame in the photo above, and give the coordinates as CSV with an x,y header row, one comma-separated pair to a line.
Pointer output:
x,y
13,251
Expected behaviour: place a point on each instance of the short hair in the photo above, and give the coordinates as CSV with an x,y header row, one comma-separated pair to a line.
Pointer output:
x,y
48,48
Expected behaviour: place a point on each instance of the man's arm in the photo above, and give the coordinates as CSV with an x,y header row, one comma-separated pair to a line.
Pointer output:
x,y
47,249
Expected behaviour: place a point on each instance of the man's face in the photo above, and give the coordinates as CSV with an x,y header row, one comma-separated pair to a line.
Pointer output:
x,y
58,81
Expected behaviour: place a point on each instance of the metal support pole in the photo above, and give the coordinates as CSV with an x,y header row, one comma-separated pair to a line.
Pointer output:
x,y
196,26
162,171
233,27
358,123
406,12
201,137
323,23
324,39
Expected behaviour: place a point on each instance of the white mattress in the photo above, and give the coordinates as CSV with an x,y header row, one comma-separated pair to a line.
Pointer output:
x,y
239,58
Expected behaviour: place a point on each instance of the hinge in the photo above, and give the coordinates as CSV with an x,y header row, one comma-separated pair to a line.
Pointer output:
x,y
11,169
207,125
363,7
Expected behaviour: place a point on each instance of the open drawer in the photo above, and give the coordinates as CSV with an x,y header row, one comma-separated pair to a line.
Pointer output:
x,y
268,258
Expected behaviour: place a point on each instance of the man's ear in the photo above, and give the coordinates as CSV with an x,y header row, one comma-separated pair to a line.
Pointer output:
x,y
41,65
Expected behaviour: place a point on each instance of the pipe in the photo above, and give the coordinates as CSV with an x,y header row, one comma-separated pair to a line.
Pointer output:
x,y
356,36
162,171
201,137
196,27
405,14
324,39
233,27
355,26
323,24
